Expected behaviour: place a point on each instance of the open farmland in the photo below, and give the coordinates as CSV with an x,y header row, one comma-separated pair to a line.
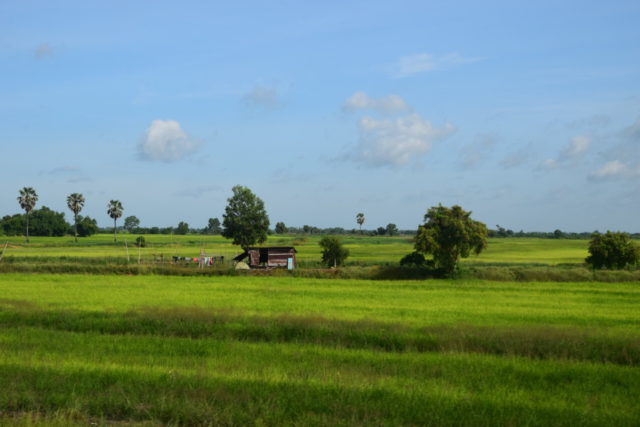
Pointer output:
x,y
364,250
279,350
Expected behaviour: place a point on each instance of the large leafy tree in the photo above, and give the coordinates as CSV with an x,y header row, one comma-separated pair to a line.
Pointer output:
x,y
27,199
245,219
213,226
75,202
280,228
115,210
360,220
612,250
333,253
131,223
449,234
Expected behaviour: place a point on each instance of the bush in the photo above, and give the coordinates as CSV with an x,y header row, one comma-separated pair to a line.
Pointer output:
x,y
333,254
141,242
612,251
415,259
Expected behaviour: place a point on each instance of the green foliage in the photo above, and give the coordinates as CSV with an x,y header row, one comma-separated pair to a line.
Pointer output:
x,y
612,250
141,242
115,210
46,222
360,219
27,199
182,228
280,228
86,226
245,219
213,227
333,253
131,223
414,259
75,202
449,234
392,230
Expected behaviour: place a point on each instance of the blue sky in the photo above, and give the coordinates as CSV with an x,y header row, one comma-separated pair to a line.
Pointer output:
x,y
526,113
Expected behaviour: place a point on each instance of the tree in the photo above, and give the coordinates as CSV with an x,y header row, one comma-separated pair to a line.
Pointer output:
x,y
213,227
281,228
448,234
245,219
86,226
612,250
360,220
115,210
75,202
27,199
333,253
381,231
47,222
392,230
131,223
182,228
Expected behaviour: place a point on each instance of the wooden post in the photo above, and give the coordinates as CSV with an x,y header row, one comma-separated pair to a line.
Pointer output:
x,y
127,249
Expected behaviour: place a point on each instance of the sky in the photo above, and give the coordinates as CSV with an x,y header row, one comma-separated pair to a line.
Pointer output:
x,y
525,113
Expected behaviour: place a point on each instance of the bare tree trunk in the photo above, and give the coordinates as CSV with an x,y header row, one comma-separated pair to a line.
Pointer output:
x,y
27,227
75,218
115,239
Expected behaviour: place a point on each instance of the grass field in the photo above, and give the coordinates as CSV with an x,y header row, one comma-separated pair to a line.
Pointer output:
x,y
365,250
281,350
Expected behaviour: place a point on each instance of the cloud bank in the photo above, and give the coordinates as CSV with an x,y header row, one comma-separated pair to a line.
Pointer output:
x,y
389,104
166,141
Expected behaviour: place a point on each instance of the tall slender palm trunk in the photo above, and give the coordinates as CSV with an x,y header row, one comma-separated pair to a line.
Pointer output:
x,y
75,225
115,238
27,227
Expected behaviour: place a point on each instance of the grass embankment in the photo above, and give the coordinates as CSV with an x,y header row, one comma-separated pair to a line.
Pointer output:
x,y
247,350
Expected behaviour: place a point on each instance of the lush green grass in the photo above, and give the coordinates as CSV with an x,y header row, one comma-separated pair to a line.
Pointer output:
x,y
282,350
364,250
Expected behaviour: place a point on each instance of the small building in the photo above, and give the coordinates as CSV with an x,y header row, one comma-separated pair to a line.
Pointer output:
x,y
270,257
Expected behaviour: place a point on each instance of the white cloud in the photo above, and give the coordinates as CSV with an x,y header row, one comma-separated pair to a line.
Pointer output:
x,y
616,169
576,147
166,141
43,50
425,62
389,104
396,142
473,153
262,96
549,164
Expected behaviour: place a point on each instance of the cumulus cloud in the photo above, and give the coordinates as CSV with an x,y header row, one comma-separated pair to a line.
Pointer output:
x,y
389,104
616,169
425,62
262,96
166,141
43,50
396,142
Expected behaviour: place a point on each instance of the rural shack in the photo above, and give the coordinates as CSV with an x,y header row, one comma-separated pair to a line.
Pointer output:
x,y
269,257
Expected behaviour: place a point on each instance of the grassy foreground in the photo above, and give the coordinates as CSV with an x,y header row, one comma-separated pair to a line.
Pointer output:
x,y
280,350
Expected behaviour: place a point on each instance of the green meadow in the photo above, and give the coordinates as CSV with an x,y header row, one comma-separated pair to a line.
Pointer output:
x,y
103,349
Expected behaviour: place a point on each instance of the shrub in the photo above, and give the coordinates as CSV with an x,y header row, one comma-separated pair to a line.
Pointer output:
x,y
415,259
333,254
141,242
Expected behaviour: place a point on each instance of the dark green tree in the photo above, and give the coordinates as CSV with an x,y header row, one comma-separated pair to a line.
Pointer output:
x,y
182,228
449,234
281,228
612,250
381,231
75,202
392,230
86,226
27,199
115,210
46,222
131,223
245,219
213,227
333,253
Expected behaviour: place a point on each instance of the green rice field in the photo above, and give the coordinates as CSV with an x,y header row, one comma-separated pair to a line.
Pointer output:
x,y
112,349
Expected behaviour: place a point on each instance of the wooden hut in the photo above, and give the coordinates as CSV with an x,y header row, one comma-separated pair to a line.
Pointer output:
x,y
270,257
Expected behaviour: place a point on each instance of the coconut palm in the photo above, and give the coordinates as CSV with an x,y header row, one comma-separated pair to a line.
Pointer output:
x,y
115,209
27,199
75,202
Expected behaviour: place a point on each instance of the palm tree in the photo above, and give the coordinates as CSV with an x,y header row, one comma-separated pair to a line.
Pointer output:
x,y
27,199
75,202
115,209
360,220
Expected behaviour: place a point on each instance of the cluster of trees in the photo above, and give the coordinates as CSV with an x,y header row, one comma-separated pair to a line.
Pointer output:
x,y
555,234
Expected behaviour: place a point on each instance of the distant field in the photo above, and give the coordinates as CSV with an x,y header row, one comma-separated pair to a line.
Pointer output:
x,y
283,351
364,250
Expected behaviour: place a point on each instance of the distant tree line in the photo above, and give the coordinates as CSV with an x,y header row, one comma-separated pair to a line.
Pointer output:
x,y
556,234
